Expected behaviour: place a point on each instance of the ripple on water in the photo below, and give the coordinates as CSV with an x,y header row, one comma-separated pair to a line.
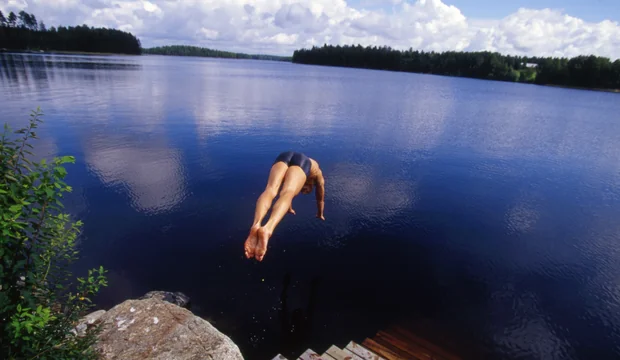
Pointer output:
x,y
522,329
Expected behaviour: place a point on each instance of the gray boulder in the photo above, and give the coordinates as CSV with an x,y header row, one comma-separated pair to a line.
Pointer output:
x,y
155,329
88,322
177,298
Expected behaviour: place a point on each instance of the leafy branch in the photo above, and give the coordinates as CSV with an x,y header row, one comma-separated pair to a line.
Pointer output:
x,y
39,305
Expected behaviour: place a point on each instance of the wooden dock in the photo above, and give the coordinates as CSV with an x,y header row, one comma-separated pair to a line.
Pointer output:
x,y
396,343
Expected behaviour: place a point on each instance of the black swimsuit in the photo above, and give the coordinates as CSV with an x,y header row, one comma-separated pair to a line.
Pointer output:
x,y
292,158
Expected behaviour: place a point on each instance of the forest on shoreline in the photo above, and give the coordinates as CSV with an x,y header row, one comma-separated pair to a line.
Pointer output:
x,y
590,72
23,31
185,50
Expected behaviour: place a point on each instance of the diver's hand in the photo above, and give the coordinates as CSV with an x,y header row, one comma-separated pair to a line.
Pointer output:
x,y
320,216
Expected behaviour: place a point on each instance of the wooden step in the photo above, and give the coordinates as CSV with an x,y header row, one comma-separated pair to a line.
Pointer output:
x,y
381,350
400,353
363,352
312,355
408,337
353,355
405,348
339,354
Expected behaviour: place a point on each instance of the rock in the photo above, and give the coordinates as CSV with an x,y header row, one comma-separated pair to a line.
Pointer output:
x,y
177,298
88,321
156,329
80,329
93,317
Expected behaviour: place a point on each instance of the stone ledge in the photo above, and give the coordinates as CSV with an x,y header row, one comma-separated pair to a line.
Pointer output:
x,y
153,328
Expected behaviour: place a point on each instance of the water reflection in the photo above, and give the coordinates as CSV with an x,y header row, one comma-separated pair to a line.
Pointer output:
x,y
14,71
531,332
522,216
70,62
296,324
25,70
488,205
255,100
357,188
152,173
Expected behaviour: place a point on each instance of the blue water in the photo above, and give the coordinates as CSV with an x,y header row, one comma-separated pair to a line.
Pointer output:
x,y
482,214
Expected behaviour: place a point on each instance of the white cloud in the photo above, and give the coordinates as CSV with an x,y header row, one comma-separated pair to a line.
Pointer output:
x,y
281,26
549,33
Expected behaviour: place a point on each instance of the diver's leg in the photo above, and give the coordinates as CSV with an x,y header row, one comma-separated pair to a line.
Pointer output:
x,y
276,175
294,180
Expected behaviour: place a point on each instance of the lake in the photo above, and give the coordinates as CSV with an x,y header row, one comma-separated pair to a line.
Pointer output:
x,y
483,214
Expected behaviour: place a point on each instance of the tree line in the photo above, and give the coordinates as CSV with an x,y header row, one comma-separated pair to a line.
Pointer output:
x,y
24,32
184,50
581,71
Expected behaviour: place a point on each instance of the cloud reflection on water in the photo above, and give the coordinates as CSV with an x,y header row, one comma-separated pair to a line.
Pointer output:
x,y
152,176
517,185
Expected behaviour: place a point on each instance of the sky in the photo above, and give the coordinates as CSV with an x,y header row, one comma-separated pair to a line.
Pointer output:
x,y
562,28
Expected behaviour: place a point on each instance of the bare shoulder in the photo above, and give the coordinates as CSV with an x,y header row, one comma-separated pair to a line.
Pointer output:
x,y
316,171
315,165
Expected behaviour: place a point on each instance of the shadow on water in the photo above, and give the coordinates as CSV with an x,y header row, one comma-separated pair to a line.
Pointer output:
x,y
296,325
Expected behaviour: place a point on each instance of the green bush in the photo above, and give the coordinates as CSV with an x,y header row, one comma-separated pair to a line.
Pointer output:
x,y
40,305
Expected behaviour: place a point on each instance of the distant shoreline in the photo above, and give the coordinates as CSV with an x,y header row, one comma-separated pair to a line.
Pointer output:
x,y
65,52
216,57
60,52
196,51
588,72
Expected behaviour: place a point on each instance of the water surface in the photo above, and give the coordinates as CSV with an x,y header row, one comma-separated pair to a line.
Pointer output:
x,y
483,214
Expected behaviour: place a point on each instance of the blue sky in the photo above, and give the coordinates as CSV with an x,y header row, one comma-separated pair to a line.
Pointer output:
x,y
593,10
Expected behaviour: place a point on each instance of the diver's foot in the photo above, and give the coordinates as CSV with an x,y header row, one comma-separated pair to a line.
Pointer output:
x,y
251,242
261,247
